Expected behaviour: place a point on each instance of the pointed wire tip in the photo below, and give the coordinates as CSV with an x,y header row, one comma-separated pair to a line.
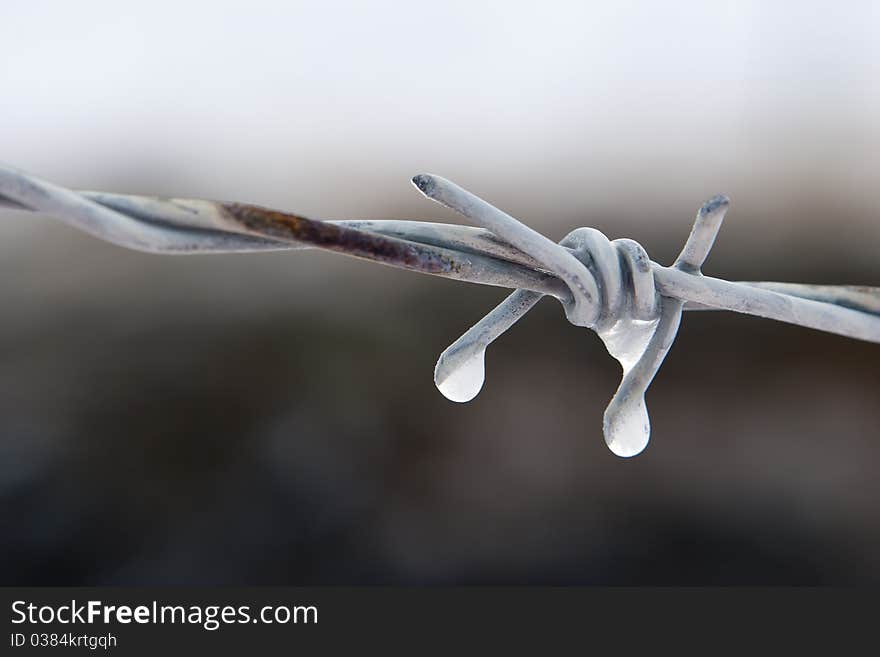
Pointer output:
x,y
425,183
715,204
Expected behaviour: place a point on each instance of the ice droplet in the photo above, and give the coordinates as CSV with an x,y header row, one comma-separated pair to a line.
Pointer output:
x,y
627,427
460,382
627,339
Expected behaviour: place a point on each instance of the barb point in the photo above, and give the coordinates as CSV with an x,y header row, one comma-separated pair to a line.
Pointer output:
x,y
425,183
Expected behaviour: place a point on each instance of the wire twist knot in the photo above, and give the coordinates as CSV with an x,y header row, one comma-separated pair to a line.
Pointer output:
x,y
611,290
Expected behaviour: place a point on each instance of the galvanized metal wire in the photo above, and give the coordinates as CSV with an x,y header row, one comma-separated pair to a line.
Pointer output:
x,y
611,287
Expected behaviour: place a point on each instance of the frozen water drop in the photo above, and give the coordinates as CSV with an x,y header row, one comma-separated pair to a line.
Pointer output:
x,y
461,381
627,427
626,340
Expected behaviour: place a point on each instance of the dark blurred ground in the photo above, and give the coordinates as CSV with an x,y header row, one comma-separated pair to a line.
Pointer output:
x,y
272,420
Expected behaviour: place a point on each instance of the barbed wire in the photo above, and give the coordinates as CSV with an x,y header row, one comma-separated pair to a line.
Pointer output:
x,y
611,287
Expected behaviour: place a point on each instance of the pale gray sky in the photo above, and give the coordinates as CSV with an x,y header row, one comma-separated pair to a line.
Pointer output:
x,y
587,104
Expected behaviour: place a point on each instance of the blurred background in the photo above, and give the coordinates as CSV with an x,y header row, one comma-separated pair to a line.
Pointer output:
x,y
271,419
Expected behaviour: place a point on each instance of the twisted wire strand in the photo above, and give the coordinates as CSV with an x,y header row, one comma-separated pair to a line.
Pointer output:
x,y
612,287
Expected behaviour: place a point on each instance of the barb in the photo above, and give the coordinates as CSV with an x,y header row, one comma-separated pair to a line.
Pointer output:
x,y
611,287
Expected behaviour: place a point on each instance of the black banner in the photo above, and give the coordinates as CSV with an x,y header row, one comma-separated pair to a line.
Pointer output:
x,y
147,621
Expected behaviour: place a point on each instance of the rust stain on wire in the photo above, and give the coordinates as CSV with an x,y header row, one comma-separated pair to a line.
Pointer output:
x,y
388,250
